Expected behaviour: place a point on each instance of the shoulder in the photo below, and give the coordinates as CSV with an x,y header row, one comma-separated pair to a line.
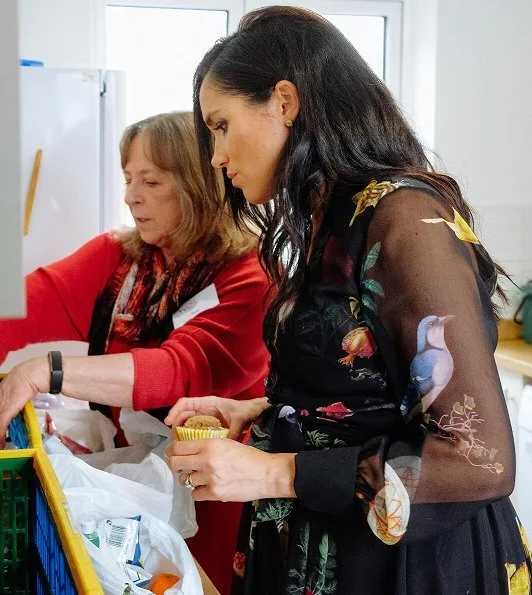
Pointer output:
x,y
105,243
243,272
104,252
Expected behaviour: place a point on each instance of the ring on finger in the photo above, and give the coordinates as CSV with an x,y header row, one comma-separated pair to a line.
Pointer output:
x,y
188,483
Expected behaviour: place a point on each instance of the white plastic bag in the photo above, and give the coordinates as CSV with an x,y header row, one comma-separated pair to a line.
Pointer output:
x,y
138,427
75,473
146,435
88,428
162,548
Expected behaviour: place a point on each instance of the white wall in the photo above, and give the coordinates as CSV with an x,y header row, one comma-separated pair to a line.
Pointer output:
x,y
483,118
466,88
63,33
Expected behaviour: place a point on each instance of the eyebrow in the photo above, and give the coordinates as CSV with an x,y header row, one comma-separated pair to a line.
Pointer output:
x,y
210,116
143,171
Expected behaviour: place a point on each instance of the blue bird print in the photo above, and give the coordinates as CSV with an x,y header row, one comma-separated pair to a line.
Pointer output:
x,y
432,367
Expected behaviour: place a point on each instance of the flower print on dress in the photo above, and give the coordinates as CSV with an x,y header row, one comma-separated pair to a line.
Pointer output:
x,y
358,343
239,564
459,226
408,469
431,368
314,574
336,411
368,286
389,511
371,195
461,426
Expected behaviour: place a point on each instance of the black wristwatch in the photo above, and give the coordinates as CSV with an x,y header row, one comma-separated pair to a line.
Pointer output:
x,y
56,372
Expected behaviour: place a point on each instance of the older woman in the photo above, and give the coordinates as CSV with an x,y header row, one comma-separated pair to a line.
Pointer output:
x,y
122,293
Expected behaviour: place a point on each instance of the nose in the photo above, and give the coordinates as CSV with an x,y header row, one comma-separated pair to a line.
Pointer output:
x,y
132,195
219,156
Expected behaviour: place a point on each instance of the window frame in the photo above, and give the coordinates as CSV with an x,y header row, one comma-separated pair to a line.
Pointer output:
x,y
391,10
234,8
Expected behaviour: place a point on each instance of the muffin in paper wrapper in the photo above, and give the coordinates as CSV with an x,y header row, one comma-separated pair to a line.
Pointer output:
x,y
200,434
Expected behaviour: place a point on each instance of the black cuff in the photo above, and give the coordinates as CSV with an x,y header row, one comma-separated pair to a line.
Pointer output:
x,y
56,372
325,479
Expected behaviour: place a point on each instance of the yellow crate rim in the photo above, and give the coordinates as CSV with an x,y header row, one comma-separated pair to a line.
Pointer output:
x,y
80,564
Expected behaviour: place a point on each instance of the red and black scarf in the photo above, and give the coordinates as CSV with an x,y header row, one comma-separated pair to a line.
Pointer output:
x,y
139,300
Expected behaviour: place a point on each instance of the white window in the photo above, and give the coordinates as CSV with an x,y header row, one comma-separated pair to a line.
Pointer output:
x,y
159,44
372,26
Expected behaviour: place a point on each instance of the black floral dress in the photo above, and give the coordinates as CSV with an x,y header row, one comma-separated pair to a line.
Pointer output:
x,y
384,383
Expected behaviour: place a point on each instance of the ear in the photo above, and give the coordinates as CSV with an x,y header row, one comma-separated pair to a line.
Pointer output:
x,y
287,98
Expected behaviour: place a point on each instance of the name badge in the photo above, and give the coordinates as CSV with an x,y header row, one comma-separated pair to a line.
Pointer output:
x,y
204,300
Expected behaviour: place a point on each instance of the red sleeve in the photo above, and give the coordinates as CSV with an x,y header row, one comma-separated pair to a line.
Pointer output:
x,y
61,297
218,352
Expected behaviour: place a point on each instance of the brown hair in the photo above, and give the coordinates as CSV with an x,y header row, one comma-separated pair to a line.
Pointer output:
x,y
205,222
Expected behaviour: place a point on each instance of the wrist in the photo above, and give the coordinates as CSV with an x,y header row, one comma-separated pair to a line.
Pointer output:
x,y
37,373
55,362
259,406
280,475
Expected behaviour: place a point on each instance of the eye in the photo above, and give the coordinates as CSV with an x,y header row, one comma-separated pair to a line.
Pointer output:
x,y
221,125
151,183
127,182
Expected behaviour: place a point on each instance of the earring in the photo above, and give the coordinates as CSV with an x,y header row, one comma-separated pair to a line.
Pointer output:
x,y
288,123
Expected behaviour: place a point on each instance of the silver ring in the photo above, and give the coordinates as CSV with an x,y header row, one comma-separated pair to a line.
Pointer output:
x,y
188,484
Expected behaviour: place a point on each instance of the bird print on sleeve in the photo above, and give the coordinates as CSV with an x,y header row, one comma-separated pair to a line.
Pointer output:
x,y
432,367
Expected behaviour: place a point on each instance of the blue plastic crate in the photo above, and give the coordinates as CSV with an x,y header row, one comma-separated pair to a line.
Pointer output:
x,y
18,432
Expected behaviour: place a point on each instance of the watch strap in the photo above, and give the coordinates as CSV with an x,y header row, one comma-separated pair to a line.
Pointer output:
x,y
56,372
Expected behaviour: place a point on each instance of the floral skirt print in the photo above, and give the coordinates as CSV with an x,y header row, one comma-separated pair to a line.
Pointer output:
x,y
383,382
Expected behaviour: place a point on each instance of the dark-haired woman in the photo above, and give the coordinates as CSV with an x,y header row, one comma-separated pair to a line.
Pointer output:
x,y
383,459
133,297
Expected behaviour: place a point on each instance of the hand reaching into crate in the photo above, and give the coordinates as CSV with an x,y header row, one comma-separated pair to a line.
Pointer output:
x,y
19,387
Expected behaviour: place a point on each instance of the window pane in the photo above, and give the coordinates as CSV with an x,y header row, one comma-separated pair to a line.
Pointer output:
x,y
159,48
367,34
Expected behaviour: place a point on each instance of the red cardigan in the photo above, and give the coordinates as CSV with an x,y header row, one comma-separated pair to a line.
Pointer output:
x,y
219,352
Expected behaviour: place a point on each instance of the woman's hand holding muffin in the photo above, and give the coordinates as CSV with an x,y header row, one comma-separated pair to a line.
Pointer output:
x,y
230,471
235,415
225,469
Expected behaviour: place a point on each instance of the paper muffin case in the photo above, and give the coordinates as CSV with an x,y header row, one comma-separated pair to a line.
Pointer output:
x,y
200,434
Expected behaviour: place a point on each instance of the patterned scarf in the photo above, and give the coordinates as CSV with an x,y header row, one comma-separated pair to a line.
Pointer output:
x,y
140,298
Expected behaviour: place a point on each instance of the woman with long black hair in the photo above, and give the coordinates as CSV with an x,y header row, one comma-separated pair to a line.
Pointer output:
x,y
382,460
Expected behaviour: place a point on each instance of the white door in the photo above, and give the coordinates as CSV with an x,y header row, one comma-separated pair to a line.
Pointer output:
x,y
60,115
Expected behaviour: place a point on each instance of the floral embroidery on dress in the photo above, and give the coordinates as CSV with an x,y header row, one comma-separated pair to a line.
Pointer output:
x,y
371,195
370,286
408,469
389,511
320,578
461,422
358,343
459,226
239,564
519,578
336,411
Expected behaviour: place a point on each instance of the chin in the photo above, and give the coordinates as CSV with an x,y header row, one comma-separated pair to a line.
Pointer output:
x,y
256,198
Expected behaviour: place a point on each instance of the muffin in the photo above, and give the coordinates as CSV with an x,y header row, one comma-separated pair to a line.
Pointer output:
x,y
200,427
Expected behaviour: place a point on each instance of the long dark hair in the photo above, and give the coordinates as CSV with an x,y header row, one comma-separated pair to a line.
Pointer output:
x,y
349,130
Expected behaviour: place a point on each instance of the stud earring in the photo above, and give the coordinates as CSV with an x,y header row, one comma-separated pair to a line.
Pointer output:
x,y
288,123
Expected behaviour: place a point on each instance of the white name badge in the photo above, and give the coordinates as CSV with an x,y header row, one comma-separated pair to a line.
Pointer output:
x,y
204,300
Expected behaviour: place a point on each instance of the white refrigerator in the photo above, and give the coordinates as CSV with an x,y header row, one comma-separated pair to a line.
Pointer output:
x,y
70,127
